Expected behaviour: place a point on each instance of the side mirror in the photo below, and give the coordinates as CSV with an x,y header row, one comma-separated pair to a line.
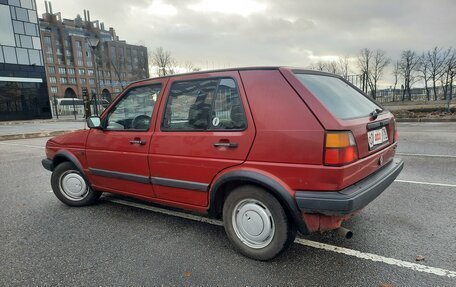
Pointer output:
x,y
94,122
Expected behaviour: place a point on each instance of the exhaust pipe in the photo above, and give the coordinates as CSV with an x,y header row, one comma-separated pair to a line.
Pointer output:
x,y
344,232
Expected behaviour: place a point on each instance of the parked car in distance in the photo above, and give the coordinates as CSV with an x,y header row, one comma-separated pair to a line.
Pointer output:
x,y
270,151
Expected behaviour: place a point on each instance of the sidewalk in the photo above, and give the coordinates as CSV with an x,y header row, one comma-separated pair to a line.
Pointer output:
x,y
38,128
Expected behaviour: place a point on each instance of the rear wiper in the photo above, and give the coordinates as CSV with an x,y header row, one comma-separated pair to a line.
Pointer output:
x,y
375,113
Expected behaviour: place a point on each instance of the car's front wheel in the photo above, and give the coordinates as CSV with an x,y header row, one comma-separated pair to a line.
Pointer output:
x,y
256,223
70,186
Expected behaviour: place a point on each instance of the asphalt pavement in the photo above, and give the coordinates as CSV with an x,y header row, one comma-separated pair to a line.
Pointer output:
x,y
119,243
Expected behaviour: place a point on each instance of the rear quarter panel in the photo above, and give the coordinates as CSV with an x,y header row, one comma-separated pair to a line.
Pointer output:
x,y
286,130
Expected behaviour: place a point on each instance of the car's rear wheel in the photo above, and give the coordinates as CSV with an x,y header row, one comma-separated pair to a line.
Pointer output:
x,y
70,186
256,223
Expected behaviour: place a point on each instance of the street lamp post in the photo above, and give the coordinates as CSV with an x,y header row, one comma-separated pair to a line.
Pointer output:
x,y
93,43
55,107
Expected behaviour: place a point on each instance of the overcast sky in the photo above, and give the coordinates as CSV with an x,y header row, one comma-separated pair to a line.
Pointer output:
x,y
226,33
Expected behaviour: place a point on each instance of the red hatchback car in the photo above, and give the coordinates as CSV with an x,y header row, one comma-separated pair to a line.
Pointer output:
x,y
271,151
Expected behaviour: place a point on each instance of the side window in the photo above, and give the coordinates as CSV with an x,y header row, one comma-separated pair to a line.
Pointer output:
x,y
134,110
210,104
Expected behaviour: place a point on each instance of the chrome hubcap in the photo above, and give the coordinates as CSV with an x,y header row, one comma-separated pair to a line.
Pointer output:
x,y
73,185
253,223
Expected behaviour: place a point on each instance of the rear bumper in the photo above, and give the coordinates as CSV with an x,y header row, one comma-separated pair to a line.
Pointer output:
x,y
47,164
352,198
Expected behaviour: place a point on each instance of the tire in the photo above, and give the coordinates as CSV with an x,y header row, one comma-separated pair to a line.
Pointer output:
x,y
256,223
71,187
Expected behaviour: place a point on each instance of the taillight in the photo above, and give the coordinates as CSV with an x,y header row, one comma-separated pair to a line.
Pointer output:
x,y
395,135
340,148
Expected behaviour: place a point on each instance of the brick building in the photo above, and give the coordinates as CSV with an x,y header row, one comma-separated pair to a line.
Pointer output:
x,y
71,62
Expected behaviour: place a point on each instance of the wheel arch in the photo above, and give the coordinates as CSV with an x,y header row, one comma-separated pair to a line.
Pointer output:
x,y
229,181
63,156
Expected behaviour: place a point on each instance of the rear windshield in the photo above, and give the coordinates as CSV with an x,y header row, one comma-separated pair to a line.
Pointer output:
x,y
338,97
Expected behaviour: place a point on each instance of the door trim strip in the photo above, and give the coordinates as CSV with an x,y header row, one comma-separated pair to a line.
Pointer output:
x,y
184,184
176,183
120,175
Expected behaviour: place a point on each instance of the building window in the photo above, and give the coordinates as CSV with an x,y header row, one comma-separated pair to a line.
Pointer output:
x,y
73,81
47,40
18,27
51,70
52,80
82,81
81,72
80,62
22,14
54,90
108,82
62,71
90,72
70,71
92,82
7,35
63,80
30,29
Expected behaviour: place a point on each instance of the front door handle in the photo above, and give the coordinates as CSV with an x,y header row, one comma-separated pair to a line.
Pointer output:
x,y
226,144
138,141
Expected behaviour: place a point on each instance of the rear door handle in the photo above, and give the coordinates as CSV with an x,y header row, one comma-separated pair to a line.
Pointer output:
x,y
138,141
226,144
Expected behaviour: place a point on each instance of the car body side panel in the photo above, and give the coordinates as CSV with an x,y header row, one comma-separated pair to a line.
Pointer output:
x,y
191,155
287,132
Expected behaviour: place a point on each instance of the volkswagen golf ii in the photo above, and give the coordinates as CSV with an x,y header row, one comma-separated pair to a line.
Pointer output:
x,y
270,151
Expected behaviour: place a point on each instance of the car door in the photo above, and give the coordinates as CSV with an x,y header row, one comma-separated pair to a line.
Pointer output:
x,y
204,127
117,153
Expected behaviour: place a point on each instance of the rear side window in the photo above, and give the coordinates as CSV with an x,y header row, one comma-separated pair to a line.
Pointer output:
x,y
209,104
338,97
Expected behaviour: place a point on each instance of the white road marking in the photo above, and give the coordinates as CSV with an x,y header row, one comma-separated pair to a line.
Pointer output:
x,y
305,242
378,258
426,183
166,211
426,155
24,145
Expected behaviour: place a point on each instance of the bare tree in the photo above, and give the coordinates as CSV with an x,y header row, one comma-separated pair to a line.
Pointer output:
x,y
449,66
190,67
163,61
364,62
424,74
396,77
319,66
380,61
343,66
372,65
436,58
332,67
407,68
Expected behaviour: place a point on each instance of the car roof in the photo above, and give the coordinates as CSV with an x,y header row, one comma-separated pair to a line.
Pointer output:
x,y
250,68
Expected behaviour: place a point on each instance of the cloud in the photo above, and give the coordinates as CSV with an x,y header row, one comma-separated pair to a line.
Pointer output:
x,y
217,33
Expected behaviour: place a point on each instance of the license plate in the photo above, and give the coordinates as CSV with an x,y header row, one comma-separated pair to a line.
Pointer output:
x,y
377,137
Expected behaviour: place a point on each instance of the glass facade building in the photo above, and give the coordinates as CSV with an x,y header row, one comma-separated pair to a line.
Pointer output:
x,y
23,87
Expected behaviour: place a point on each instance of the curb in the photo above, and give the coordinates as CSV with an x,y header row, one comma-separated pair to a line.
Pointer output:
x,y
424,120
10,123
34,135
